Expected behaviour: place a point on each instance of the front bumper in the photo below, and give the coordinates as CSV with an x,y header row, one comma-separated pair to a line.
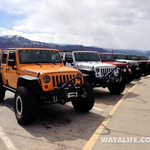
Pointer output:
x,y
108,79
65,93
137,71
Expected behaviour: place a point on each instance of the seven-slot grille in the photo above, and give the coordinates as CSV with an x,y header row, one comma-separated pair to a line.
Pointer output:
x,y
105,70
61,79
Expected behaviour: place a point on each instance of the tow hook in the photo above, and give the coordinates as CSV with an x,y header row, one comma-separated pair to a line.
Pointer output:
x,y
55,99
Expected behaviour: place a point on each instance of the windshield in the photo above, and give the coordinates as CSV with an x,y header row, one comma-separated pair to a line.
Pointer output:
x,y
132,57
39,56
86,56
107,57
142,58
119,56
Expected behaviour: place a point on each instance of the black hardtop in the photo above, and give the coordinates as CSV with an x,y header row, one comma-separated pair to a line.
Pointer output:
x,y
9,49
130,55
118,54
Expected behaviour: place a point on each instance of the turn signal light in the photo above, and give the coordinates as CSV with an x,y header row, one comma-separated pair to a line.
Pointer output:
x,y
46,86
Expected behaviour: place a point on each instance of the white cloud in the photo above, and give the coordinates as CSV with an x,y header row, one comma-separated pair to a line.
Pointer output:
x,y
1,28
111,23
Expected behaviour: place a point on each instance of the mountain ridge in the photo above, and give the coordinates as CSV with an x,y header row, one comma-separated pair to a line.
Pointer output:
x,y
15,41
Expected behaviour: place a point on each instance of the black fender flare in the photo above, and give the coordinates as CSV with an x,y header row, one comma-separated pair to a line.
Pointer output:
x,y
27,80
88,72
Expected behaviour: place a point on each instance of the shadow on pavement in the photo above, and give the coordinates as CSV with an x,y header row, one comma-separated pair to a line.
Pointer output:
x,y
59,123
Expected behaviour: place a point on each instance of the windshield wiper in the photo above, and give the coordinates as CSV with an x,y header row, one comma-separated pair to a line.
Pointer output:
x,y
37,64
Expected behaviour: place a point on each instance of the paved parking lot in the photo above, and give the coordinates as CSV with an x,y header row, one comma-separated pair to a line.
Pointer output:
x,y
57,127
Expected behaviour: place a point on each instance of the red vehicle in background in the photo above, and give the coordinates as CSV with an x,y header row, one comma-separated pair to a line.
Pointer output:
x,y
109,59
144,58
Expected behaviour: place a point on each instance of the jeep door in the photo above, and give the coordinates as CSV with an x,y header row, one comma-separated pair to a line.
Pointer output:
x,y
12,71
4,66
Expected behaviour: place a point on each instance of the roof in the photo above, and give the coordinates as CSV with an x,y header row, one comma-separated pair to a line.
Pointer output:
x,y
28,49
130,55
140,56
69,50
79,51
119,53
105,53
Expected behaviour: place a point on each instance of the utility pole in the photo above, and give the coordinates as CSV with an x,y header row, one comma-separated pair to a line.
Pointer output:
x,y
112,51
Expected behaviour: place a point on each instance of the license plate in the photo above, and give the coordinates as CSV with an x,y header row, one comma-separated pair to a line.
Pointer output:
x,y
72,94
137,68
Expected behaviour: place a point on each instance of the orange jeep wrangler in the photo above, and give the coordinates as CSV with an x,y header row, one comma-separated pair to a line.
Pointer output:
x,y
38,77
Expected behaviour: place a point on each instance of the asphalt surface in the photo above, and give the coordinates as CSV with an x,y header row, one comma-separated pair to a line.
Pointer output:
x,y
127,124
60,127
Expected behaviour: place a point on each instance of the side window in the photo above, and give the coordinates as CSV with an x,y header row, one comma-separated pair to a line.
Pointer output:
x,y
12,55
4,58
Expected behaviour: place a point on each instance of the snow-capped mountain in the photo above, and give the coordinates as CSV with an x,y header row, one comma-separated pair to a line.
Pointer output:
x,y
15,41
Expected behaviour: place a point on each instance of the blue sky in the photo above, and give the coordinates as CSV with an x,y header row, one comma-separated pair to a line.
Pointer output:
x,y
111,24
8,20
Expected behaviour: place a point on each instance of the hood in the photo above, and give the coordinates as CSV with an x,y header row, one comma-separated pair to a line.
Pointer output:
x,y
144,61
91,64
46,68
133,62
115,63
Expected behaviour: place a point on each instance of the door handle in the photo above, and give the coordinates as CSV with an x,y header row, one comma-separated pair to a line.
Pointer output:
x,y
7,69
1,67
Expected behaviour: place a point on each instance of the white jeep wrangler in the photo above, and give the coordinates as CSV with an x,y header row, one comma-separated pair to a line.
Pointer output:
x,y
95,72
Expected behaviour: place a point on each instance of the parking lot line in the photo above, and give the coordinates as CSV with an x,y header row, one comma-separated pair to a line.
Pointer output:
x,y
90,144
98,109
6,140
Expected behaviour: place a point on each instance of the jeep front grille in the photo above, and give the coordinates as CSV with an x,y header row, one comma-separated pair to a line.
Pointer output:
x,y
104,71
61,79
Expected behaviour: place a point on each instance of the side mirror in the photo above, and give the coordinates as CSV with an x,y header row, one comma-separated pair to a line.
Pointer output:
x,y
11,62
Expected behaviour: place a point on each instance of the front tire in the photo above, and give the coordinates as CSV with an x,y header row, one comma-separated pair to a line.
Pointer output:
x,y
2,93
117,88
85,104
130,78
25,105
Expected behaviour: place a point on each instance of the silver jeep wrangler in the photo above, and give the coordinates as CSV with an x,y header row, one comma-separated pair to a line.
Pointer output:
x,y
95,72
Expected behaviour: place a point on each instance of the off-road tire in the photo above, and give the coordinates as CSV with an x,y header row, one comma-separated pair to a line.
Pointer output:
x,y
130,78
146,73
117,88
137,76
2,93
25,105
85,104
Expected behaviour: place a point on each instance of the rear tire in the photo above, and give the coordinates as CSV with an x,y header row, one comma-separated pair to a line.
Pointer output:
x,y
85,104
25,105
2,93
117,88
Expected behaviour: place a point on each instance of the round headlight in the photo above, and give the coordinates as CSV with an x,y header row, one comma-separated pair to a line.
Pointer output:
x,y
124,70
46,79
97,70
78,75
